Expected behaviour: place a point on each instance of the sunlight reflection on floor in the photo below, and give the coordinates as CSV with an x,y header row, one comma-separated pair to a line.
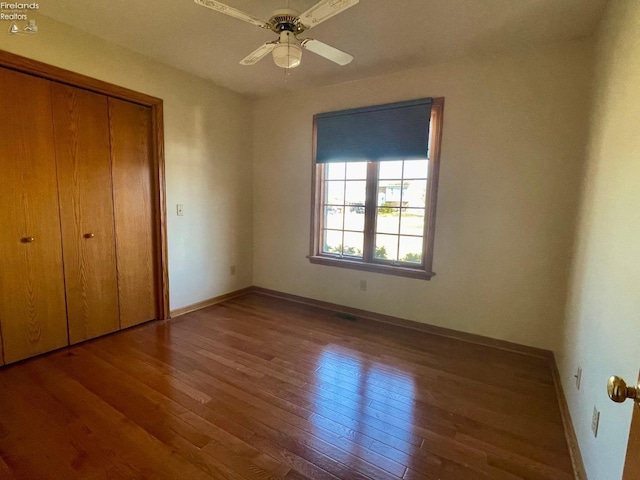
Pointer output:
x,y
346,383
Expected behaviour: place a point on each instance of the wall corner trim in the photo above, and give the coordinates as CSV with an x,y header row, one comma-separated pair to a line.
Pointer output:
x,y
569,432
211,301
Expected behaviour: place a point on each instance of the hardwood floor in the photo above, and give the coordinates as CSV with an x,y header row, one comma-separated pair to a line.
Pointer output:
x,y
261,388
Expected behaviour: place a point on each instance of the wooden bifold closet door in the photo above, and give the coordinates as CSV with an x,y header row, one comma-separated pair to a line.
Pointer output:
x,y
33,315
133,184
83,155
80,236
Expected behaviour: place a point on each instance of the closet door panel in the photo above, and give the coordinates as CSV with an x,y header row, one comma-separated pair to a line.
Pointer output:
x,y
32,302
81,125
134,208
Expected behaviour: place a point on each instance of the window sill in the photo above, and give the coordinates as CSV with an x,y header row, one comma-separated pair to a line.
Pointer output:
x,y
371,267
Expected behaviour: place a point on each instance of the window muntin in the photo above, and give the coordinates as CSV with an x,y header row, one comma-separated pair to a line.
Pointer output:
x,y
378,216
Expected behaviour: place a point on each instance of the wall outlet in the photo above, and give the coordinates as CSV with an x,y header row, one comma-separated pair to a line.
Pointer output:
x,y
180,209
232,269
595,421
363,285
578,377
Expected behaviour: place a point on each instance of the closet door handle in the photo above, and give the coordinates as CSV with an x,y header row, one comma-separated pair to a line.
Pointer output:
x,y
27,240
89,235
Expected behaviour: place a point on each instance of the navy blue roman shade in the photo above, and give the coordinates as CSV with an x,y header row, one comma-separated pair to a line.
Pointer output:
x,y
394,131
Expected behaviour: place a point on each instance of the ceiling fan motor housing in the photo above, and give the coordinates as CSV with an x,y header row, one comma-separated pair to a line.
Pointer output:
x,y
286,20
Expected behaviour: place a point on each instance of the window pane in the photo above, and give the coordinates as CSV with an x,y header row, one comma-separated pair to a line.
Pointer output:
x,y
356,192
334,193
388,170
388,220
332,242
416,168
386,247
389,193
353,244
356,170
354,218
335,171
412,221
414,193
411,249
333,217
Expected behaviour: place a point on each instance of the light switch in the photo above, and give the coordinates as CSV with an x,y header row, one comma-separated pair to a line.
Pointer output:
x,y
179,209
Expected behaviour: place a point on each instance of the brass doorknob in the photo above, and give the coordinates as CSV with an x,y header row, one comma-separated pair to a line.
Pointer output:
x,y
619,391
89,235
27,240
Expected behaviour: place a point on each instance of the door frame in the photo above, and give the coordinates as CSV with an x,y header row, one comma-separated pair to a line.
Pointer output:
x,y
60,75
632,459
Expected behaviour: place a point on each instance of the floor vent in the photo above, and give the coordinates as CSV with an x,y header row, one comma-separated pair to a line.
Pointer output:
x,y
346,316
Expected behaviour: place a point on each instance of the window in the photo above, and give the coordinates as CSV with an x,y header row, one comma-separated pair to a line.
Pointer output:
x,y
374,207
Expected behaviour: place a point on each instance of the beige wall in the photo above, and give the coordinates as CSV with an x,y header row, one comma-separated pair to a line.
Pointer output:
x,y
512,152
602,332
208,156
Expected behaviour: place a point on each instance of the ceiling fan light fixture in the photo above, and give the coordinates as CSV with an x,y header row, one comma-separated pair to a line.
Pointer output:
x,y
287,55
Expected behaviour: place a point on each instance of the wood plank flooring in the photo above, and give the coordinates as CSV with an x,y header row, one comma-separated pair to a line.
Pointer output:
x,y
263,388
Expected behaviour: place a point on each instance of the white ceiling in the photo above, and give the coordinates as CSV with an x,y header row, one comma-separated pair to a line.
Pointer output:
x,y
382,35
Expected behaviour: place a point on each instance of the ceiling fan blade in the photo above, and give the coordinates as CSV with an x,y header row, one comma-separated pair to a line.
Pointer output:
x,y
256,55
324,10
326,51
232,12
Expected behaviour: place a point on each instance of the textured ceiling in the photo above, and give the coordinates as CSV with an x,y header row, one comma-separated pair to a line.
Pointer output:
x,y
383,35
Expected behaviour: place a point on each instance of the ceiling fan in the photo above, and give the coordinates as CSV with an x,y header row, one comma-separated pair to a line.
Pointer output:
x,y
288,24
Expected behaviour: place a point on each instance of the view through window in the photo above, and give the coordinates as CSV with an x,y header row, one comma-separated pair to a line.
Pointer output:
x,y
401,194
